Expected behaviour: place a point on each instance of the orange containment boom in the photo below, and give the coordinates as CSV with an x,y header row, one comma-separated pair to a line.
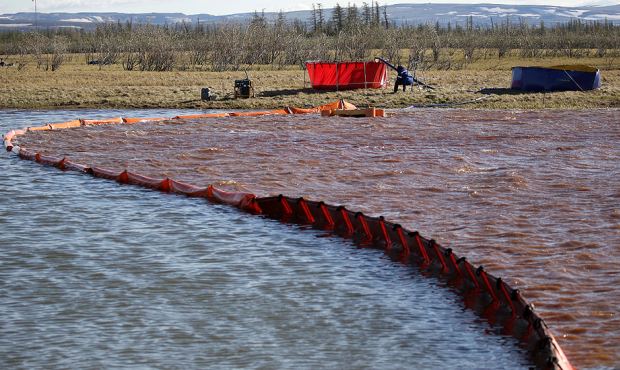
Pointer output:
x,y
138,120
489,296
109,121
63,125
368,112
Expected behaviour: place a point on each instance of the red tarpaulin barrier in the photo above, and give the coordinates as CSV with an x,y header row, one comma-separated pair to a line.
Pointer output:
x,y
346,75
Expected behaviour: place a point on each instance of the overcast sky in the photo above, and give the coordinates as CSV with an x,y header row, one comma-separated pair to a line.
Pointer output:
x,y
219,7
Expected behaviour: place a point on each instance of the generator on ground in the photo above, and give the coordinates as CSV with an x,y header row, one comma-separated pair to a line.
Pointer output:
x,y
244,88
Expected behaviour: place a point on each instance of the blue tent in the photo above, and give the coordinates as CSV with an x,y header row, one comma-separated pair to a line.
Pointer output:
x,y
556,78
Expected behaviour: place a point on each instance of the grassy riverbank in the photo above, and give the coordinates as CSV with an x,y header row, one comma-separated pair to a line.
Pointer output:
x,y
487,81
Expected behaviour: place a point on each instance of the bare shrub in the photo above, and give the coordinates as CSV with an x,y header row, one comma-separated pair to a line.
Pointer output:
x,y
350,33
153,49
59,47
37,45
198,49
417,51
356,42
106,44
319,47
435,43
392,44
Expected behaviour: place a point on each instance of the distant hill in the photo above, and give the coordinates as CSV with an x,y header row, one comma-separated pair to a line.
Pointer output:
x,y
400,13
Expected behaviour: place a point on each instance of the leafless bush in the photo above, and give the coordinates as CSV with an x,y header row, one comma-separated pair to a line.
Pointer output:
x,y
350,34
37,45
293,53
356,42
468,46
417,51
49,52
225,48
106,45
392,44
151,49
59,47
501,46
130,45
276,42
130,61
319,48
435,43
198,49
24,52
160,55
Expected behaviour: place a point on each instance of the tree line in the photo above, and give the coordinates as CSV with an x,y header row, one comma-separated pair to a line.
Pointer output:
x,y
343,33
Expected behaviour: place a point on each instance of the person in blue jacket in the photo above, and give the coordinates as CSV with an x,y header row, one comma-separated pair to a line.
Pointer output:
x,y
403,78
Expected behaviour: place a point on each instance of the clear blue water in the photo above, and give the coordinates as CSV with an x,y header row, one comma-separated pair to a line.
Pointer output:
x,y
94,274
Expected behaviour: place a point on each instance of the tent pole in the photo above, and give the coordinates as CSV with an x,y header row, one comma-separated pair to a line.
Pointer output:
x,y
337,78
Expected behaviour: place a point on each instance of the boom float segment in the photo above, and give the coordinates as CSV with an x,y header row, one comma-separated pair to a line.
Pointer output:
x,y
489,296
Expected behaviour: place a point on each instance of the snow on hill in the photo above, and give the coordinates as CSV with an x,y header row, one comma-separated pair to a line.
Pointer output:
x,y
411,14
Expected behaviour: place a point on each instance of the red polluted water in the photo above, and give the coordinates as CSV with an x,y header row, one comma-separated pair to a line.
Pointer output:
x,y
533,195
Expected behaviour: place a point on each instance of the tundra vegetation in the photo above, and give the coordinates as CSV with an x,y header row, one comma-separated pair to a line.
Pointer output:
x,y
455,57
